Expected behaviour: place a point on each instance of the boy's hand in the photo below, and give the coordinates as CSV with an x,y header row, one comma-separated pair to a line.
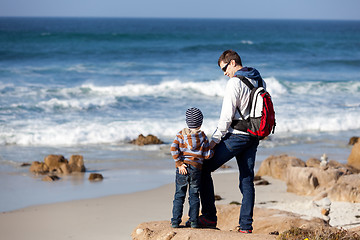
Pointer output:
x,y
182,169
212,144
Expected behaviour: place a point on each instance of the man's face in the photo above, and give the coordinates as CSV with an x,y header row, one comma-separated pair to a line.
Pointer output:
x,y
228,68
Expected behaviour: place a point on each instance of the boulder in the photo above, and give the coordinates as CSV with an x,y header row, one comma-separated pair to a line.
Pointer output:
x,y
39,167
149,139
346,189
276,166
54,162
310,181
59,164
354,158
76,163
95,177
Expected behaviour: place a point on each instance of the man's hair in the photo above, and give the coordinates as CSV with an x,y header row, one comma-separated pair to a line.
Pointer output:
x,y
229,55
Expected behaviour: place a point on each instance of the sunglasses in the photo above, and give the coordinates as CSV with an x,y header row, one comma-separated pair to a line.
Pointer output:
x,y
225,67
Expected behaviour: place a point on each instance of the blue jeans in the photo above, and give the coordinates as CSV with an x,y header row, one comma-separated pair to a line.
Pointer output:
x,y
193,179
243,148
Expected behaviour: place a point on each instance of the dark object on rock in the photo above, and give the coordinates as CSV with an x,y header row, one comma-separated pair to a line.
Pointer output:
x,y
25,165
96,177
274,233
353,140
149,139
262,182
218,198
51,178
257,178
235,203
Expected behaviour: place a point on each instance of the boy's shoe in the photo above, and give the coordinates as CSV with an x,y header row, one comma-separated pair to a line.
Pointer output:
x,y
238,229
175,225
194,225
206,223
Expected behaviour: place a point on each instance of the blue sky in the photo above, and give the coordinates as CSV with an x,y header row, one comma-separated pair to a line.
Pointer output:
x,y
268,9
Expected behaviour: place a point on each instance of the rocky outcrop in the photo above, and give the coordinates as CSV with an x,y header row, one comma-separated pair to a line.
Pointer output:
x,y
58,164
354,158
267,224
340,182
276,166
149,139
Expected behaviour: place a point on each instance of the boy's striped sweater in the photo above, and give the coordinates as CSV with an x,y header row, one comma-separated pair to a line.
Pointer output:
x,y
191,148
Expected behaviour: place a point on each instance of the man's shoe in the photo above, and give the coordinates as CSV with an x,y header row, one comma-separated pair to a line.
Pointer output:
x,y
238,229
206,223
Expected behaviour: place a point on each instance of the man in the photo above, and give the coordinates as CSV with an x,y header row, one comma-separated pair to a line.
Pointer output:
x,y
229,143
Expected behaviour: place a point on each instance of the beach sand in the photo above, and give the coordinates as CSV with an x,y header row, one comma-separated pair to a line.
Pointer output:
x,y
115,217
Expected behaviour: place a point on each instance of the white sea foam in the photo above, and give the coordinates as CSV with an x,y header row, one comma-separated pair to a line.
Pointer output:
x,y
69,119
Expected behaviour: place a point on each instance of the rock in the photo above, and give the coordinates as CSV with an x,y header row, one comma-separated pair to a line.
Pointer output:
x,y
39,167
218,198
276,166
313,162
25,165
346,189
149,139
310,181
262,182
77,163
51,178
96,177
353,140
354,158
54,161
265,221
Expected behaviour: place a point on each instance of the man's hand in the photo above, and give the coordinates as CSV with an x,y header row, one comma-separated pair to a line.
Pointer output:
x,y
182,169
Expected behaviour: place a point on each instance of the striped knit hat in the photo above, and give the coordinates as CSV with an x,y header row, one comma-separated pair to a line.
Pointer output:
x,y
194,117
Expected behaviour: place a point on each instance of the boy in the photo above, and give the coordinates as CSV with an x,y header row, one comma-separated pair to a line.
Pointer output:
x,y
189,150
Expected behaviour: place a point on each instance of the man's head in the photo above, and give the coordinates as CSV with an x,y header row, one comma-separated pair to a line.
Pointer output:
x,y
230,62
194,118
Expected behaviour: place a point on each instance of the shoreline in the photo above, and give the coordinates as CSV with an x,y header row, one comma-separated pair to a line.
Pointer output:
x,y
115,217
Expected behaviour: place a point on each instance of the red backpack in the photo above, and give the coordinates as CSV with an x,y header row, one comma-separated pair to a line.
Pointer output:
x,y
261,121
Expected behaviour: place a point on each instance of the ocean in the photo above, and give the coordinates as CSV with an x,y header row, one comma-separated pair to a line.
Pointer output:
x,y
90,85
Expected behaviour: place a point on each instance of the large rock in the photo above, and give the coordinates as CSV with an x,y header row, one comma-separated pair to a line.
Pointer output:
x,y
310,180
149,139
39,167
354,158
54,162
58,164
266,221
276,166
76,163
346,189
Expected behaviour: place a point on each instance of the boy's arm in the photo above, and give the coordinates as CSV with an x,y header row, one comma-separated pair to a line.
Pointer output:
x,y
175,151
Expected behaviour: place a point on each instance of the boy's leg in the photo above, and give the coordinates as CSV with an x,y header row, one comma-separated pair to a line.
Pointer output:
x,y
179,197
246,163
221,155
194,191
